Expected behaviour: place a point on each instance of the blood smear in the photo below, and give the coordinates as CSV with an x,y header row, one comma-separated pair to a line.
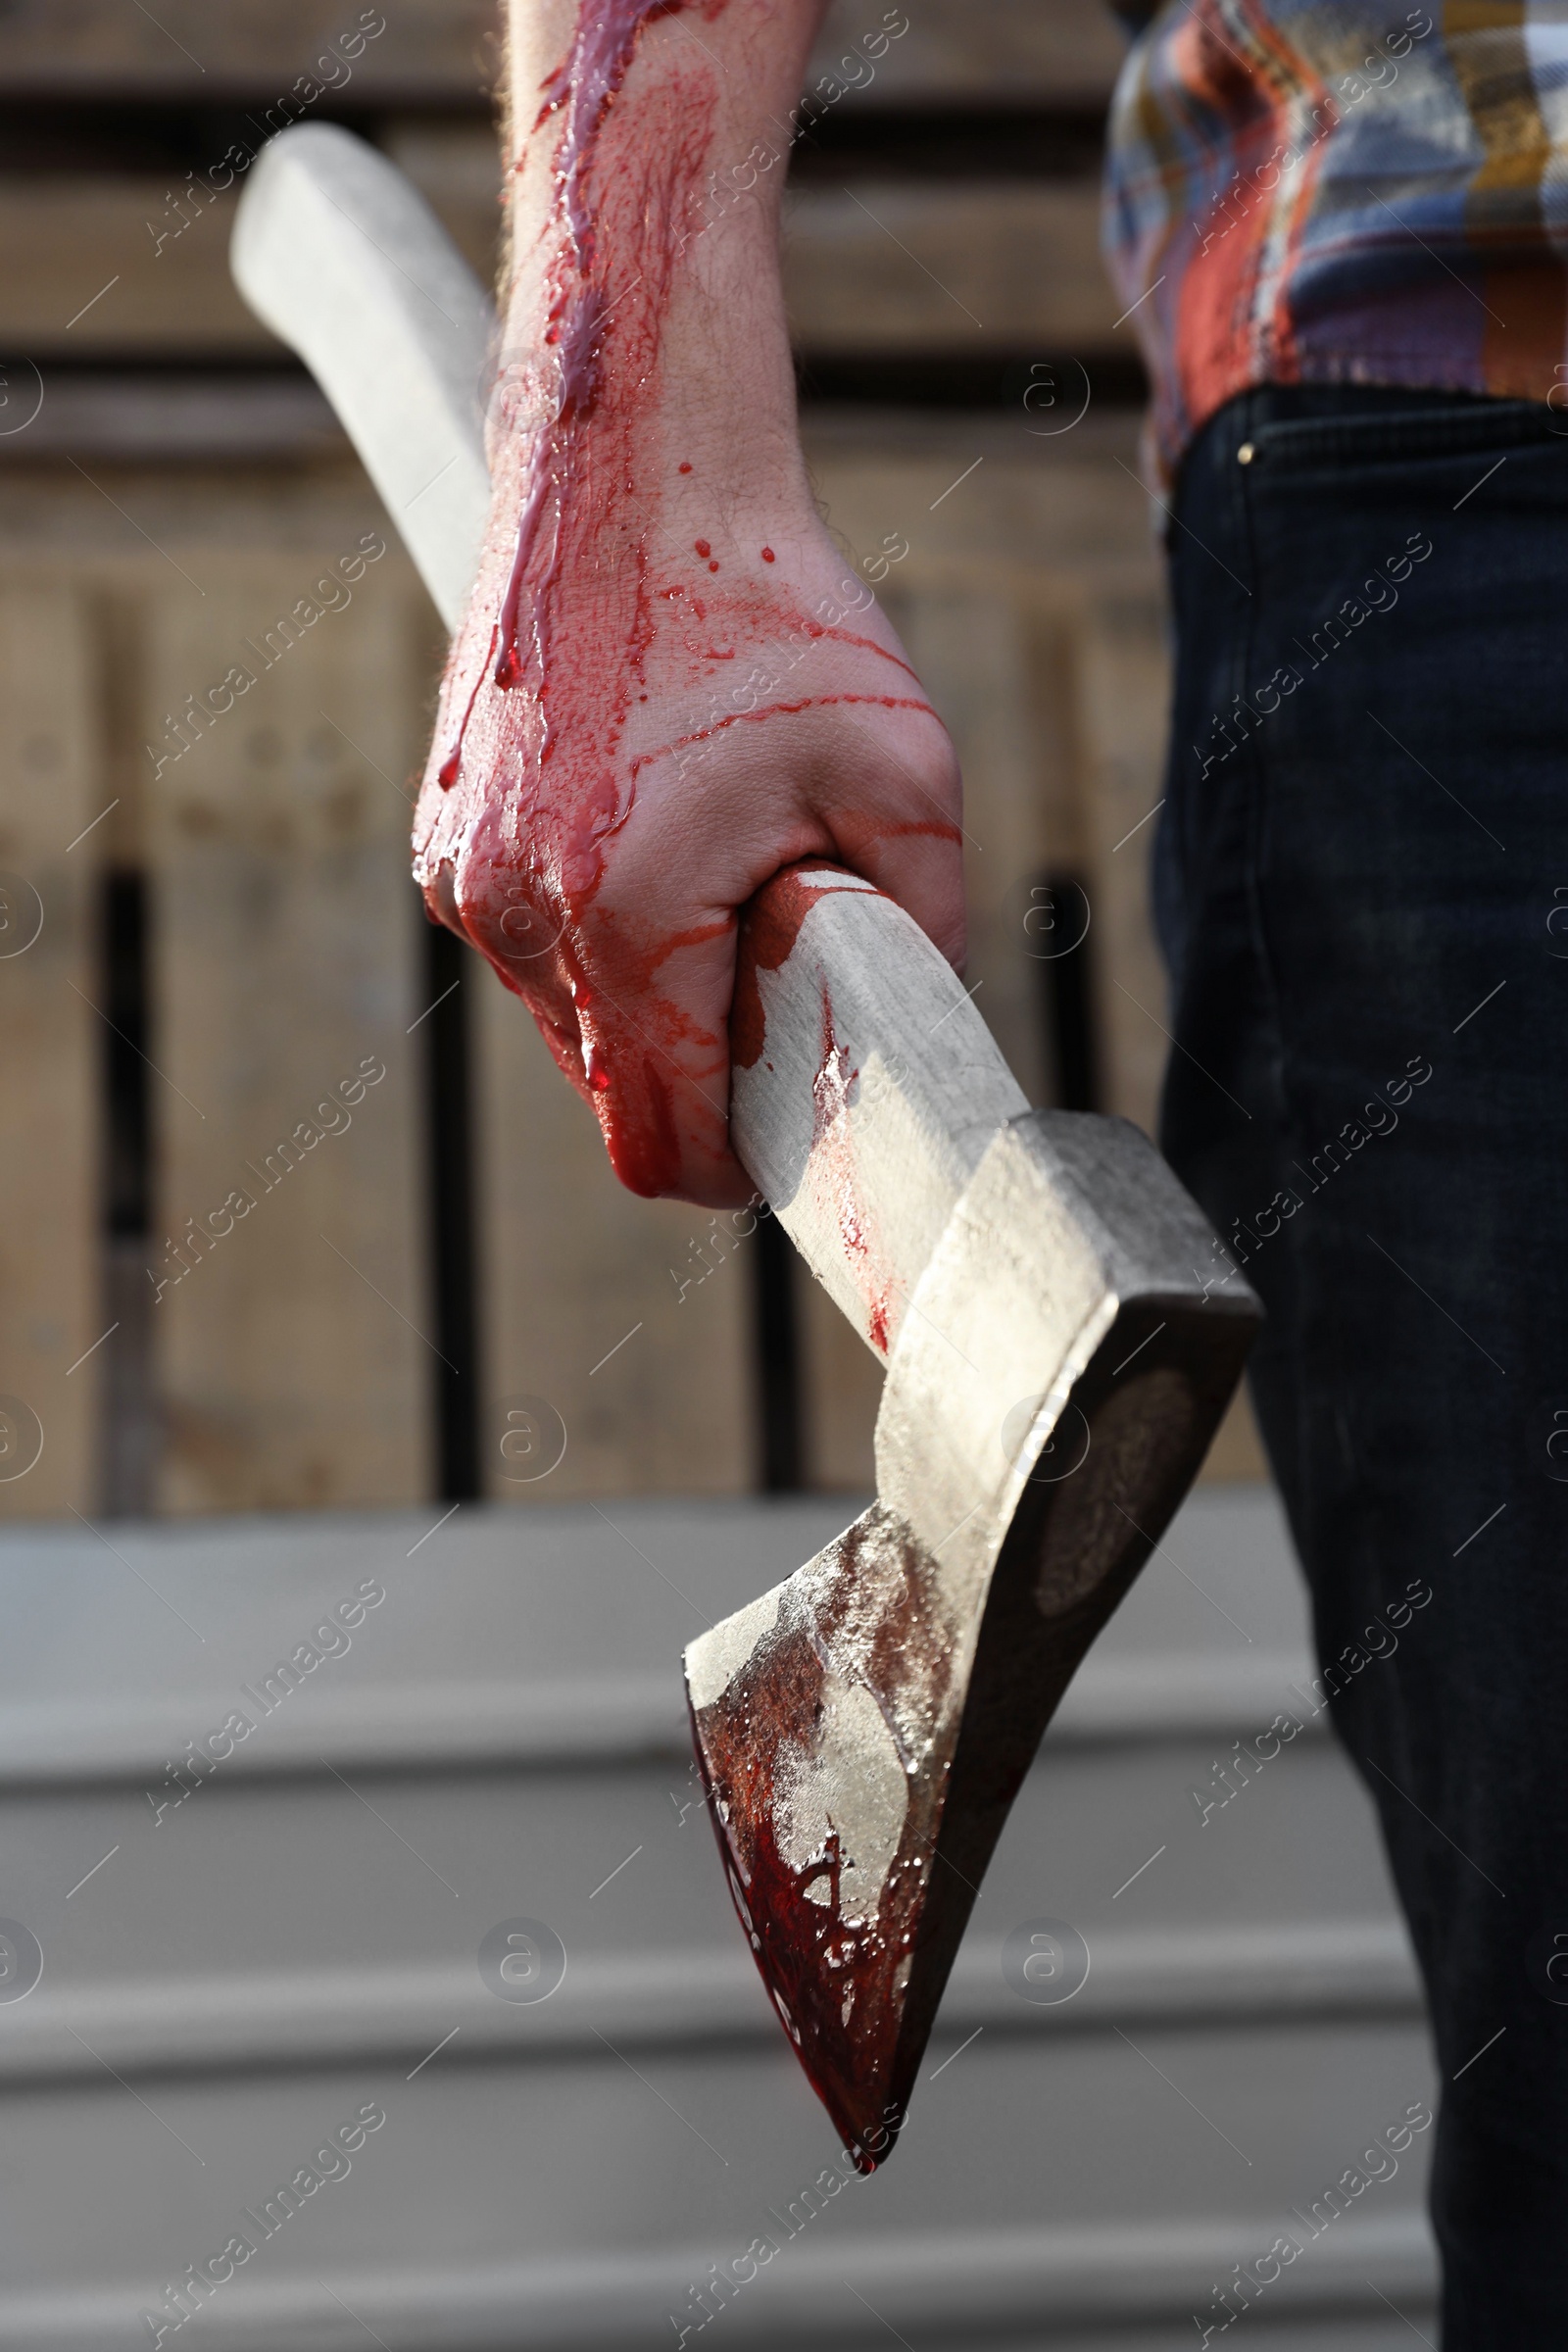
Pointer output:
x,y
535,781
538,779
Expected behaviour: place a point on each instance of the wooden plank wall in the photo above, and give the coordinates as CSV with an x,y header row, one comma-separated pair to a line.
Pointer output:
x,y
282,975
50,1046
156,526
606,1324
286,989
441,53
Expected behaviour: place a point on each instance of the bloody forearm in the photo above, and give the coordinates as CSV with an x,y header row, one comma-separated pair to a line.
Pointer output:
x,y
665,687
644,157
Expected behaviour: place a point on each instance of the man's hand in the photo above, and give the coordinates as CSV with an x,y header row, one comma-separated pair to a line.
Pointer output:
x,y
668,683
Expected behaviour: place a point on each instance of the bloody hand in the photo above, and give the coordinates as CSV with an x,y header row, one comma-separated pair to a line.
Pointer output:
x,y
668,683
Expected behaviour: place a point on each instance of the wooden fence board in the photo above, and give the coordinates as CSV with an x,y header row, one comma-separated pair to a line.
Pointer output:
x,y
981,492
976,53
51,1045
85,277
1124,691
458,166
1051,53
896,266
437,51
581,1302
293,1356
990,595
968,640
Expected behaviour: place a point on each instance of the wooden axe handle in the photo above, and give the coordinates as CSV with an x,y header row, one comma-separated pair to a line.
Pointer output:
x,y
340,255
866,1086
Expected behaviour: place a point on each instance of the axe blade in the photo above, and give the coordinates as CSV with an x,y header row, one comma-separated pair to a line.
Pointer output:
x,y
863,1729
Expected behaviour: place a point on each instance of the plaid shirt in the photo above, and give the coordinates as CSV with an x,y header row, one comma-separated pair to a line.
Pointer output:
x,y
1300,191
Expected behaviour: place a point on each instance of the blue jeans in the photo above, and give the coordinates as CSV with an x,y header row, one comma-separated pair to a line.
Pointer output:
x,y
1361,885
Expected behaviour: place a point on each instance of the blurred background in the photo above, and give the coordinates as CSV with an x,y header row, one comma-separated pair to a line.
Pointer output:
x,y
237,931
216,975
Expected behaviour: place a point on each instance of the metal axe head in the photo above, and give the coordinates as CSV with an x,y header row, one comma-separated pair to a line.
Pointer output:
x,y
1059,1368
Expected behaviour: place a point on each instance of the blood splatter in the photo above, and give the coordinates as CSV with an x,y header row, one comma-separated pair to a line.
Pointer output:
x,y
838,1970
833,1172
769,932
450,766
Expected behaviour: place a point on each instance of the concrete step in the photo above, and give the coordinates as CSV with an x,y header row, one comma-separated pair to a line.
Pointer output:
x,y
240,1956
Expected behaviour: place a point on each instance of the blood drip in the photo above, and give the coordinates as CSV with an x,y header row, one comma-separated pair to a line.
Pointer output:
x,y
452,766
583,88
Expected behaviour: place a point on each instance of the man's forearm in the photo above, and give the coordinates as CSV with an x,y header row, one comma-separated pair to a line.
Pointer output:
x,y
688,110
665,687
647,147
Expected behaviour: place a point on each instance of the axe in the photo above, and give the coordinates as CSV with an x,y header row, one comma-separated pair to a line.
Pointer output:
x,y
1056,1361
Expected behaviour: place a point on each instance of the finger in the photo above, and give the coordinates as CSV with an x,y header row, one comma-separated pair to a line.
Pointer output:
x,y
661,1142
522,939
441,898
566,1048
920,866
659,1067
897,820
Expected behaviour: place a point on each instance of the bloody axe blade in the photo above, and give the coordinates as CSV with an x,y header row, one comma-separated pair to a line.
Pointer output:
x,y
1057,1360
1057,1368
